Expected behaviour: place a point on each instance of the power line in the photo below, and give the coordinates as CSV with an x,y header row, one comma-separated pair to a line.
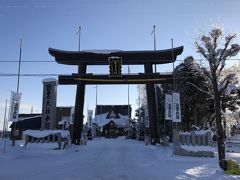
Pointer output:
x,y
29,75
32,61
72,61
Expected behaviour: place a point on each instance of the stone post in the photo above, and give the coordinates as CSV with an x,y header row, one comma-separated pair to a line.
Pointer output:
x,y
193,135
49,104
209,138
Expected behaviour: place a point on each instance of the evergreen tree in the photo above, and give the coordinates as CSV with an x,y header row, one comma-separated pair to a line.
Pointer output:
x,y
194,103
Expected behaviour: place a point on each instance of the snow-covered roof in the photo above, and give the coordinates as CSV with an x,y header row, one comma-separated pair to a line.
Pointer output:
x,y
102,120
197,148
102,51
200,132
130,57
49,80
30,117
42,134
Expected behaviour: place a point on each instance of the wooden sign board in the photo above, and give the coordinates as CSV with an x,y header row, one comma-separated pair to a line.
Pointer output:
x,y
115,66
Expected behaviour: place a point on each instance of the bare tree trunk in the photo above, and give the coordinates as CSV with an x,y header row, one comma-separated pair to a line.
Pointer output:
x,y
220,132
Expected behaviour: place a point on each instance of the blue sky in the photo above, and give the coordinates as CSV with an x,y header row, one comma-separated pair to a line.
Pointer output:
x,y
106,24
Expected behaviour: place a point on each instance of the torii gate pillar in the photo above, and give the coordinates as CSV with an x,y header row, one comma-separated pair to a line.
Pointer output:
x,y
151,102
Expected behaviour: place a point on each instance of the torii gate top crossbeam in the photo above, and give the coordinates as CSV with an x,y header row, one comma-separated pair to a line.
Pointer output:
x,y
128,57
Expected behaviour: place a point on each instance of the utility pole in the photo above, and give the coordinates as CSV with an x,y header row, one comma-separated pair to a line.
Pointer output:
x,y
4,120
96,104
4,127
19,65
96,94
18,81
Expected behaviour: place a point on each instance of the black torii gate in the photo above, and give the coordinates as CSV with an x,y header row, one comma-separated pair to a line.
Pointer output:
x,y
85,58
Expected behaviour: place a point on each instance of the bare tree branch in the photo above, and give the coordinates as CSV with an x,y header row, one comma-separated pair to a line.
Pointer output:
x,y
201,50
200,89
232,51
228,39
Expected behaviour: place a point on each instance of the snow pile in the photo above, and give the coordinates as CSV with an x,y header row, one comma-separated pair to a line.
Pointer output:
x,y
45,133
197,148
202,132
202,171
199,132
107,159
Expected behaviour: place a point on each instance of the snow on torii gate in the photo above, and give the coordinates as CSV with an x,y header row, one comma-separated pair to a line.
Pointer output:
x,y
85,58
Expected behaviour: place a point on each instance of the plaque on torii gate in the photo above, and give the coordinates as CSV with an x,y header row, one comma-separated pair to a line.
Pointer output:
x,y
115,66
85,58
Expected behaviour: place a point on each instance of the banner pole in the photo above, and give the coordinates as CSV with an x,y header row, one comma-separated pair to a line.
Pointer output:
x,y
4,120
172,96
164,121
79,37
18,81
174,84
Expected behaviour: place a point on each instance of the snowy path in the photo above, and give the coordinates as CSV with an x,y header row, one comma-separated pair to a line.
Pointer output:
x,y
105,159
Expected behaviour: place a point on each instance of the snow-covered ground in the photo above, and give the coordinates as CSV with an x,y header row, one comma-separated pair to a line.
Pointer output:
x,y
105,159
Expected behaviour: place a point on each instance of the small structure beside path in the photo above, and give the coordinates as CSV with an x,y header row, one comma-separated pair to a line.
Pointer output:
x,y
61,137
196,143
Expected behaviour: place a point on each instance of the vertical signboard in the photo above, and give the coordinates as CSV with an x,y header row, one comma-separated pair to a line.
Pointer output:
x,y
49,104
89,117
115,66
168,107
176,108
14,106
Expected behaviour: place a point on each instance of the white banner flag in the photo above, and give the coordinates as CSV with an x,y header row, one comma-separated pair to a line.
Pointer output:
x,y
176,108
168,107
72,115
14,106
